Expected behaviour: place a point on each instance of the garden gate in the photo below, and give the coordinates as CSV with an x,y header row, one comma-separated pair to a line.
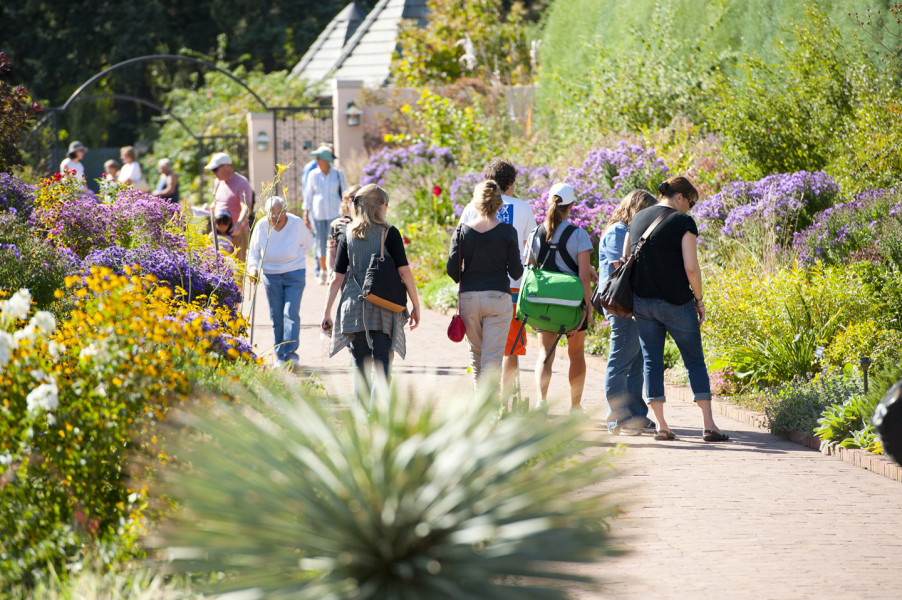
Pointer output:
x,y
298,130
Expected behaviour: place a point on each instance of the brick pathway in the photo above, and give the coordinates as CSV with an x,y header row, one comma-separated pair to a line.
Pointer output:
x,y
755,518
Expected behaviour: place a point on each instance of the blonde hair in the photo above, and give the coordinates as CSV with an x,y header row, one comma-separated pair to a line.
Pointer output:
x,y
129,151
346,198
365,210
630,205
555,216
487,198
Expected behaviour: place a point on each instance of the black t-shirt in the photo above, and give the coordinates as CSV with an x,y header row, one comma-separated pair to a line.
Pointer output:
x,y
394,246
488,258
659,271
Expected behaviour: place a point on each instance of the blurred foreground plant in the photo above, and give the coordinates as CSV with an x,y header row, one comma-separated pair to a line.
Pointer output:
x,y
290,500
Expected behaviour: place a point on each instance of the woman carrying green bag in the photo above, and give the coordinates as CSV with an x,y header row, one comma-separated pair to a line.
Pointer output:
x,y
558,245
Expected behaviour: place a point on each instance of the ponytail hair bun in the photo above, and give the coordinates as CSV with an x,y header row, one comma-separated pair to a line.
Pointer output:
x,y
678,185
487,198
663,188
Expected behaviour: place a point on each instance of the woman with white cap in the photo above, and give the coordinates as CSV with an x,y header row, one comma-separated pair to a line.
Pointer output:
x,y
573,249
278,249
72,162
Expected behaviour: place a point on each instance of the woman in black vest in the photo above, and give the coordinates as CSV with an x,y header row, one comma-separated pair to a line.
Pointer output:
x,y
667,298
372,333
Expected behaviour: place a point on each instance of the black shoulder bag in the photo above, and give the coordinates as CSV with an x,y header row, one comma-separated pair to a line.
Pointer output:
x,y
617,295
382,284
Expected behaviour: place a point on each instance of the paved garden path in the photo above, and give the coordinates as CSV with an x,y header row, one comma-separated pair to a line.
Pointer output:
x,y
754,518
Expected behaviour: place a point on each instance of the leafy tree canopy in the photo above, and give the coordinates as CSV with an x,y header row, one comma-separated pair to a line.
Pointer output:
x,y
55,46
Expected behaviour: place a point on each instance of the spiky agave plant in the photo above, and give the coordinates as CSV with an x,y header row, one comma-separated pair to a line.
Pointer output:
x,y
290,500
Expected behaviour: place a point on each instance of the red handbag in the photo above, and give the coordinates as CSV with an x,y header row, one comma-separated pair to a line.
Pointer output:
x,y
456,329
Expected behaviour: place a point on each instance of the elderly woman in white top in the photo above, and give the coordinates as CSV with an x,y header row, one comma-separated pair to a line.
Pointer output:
x,y
277,249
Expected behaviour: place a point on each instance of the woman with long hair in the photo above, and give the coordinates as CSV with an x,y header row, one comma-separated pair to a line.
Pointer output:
x,y
573,249
627,413
372,333
667,298
484,252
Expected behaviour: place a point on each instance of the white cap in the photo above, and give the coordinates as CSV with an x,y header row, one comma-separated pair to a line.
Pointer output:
x,y
568,196
217,160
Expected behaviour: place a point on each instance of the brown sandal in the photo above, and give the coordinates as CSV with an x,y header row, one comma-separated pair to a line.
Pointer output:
x,y
665,435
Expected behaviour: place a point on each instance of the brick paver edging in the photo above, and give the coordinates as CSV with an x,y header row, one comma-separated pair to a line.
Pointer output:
x,y
875,463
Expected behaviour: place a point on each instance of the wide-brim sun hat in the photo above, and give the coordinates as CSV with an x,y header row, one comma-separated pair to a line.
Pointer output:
x,y
323,152
76,146
564,191
217,160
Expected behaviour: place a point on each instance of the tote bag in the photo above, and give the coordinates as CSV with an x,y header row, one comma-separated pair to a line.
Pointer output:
x,y
382,284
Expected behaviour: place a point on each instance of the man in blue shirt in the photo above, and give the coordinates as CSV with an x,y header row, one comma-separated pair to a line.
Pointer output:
x,y
322,199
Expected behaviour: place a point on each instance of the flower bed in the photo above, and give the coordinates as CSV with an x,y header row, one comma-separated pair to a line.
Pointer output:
x,y
138,321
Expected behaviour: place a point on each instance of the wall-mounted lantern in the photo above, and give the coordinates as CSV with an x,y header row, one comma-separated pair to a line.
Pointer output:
x,y
353,113
262,141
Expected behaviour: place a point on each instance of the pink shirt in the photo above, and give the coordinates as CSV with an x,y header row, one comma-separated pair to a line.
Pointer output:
x,y
230,195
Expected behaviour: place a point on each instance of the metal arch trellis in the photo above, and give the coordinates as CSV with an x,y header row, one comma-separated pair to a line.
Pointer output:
x,y
53,112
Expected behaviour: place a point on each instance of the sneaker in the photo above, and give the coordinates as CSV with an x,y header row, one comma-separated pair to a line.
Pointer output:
x,y
541,406
578,411
627,430
649,426
321,278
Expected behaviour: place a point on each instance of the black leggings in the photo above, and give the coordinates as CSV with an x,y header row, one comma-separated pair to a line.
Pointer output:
x,y
380,354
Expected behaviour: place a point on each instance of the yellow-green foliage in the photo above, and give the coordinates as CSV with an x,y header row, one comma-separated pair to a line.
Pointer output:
x,y
435,52
768,326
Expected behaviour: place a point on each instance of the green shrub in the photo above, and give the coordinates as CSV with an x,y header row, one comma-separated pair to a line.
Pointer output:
x,y
768,326
848,424
440,294
798,405
97,584
292,499
28,261
785,117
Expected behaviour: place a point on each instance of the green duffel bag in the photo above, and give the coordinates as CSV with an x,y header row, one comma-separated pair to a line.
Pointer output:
x,y
550,300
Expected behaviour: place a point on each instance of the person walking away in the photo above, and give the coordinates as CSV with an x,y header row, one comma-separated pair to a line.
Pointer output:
x,y
322,198
485,256
519,215
278,250
372,333
339,226
627,413
232,194
223,221
130,172
667,298
168,184
573,249
73,159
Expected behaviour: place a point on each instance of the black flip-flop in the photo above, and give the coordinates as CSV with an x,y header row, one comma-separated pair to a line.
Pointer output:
x,y
715,436
665,435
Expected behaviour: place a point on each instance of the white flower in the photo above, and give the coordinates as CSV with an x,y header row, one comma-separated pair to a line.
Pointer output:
x,y
26,333
100,390
17,307
99,351
43,397
55,349
51,420
44,321
7,344
6,459
38,374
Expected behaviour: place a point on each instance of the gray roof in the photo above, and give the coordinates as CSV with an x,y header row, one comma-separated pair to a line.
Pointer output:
x,y
367,55
323,55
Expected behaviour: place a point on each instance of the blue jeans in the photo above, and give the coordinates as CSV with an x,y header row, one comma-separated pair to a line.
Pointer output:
x,y
284,291
623,377
656,318
321,232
